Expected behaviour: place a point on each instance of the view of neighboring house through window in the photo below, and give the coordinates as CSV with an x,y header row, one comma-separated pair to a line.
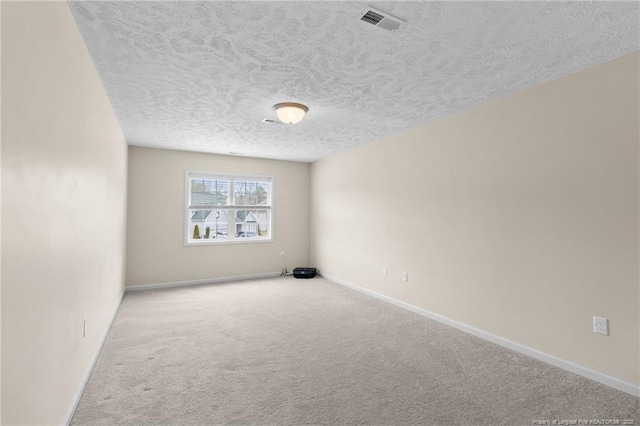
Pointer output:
x,y
223,208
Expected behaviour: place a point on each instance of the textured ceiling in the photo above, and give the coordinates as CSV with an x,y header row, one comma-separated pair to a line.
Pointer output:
x,y
200,76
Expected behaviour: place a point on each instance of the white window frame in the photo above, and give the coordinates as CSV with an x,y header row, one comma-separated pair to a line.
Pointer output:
x,y
231,239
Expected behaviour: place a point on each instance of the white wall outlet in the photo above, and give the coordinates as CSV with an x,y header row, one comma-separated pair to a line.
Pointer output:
x,y
84,328
405,277
282,253
385,271
601,325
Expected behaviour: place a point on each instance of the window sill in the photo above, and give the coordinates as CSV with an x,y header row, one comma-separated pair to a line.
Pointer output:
x,y
220,243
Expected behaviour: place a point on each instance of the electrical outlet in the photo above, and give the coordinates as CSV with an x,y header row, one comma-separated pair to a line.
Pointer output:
x,y
601,325
84,328
405,277
282,253
385,271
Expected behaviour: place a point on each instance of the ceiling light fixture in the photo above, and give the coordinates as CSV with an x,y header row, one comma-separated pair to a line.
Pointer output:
x,y
290,112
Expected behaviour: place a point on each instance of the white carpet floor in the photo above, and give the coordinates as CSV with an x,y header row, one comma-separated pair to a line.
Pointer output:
x,y
292,352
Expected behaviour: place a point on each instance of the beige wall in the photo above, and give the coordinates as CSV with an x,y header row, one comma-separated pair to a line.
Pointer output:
x,y
64,171
0,222
519,217
155,244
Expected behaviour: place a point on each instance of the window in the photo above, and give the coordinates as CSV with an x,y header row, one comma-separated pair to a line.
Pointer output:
x,y
226,208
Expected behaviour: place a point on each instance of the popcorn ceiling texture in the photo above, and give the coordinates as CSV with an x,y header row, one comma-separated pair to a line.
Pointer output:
x,y
200,76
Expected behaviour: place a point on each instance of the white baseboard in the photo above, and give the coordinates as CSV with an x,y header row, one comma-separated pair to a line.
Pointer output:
x,y
202,281
72,409
623,386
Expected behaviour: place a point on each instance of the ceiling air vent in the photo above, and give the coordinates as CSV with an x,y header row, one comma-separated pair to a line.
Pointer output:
x,y
381,19
268,120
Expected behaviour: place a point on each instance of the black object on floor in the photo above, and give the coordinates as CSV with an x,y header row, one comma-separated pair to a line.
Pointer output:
x,y
304,272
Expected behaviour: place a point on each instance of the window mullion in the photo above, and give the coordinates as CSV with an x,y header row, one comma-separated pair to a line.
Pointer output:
x,y
258,207
231,214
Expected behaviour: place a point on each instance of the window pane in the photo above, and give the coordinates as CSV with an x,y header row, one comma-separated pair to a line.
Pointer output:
x,y
217,224
208,224
252,193
196,223
209,192
252,223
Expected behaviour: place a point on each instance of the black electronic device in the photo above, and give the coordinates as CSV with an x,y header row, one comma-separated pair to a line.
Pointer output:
x,y
304,272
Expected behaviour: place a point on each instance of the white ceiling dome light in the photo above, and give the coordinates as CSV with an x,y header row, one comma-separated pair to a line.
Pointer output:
x,y
290,112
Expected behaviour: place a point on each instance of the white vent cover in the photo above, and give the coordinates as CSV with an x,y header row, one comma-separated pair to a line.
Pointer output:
x,y
381,19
